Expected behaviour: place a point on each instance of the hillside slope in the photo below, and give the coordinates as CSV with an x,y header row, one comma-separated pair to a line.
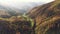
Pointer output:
x,y
47,18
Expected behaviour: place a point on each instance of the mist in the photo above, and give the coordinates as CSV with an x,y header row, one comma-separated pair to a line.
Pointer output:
x,y
21,3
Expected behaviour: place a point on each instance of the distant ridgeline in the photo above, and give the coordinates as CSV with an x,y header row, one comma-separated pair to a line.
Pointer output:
x,y
46,18
7,12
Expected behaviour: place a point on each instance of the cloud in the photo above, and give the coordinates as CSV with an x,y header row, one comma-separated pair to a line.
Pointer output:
x,y
20,2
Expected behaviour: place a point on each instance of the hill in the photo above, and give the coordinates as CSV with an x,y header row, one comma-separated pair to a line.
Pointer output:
x,y
47,18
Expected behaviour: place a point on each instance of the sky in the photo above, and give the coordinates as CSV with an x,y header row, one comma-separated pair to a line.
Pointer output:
x,y
20,2
25,1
